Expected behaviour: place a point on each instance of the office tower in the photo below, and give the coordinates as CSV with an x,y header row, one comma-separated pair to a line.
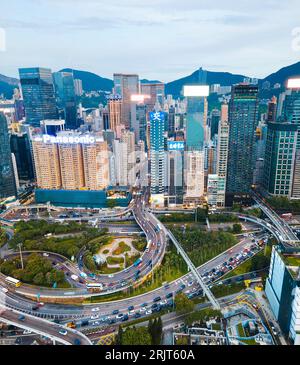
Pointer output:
x,y
283,292
139,121
128,138
260,146
7,179
109,137
279,158
19,110
272,110
156,91
243,115
52,126
71,166
196,137
38,93
20,147
126,85
78,87
114,111
46,161
96,165
66,98
157,158
15,170
214,122
291,114
222,160
171,120
175,172
212,189
120,163
224,112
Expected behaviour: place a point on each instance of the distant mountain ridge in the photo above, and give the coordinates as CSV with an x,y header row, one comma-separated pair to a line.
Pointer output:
x,y
92,81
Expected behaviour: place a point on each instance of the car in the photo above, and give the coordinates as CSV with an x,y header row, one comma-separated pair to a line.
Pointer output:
x,y
190,283
41,304
155,305
111,275
112,321
96,316
77,342
125,318
131,313
144,305
182,287
169,295
120,316
163,303
35,307
131,307
137,315
63,332
149,311
143,309
116,311
96,323
157,299
21,318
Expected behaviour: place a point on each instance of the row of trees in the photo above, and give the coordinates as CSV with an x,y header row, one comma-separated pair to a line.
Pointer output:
x,y
283,204
37,270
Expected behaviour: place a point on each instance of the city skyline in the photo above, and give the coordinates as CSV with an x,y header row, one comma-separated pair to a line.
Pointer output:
x,y
245,39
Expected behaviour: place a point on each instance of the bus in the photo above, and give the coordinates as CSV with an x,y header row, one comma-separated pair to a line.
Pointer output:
x,y
17,283
137,262
92,286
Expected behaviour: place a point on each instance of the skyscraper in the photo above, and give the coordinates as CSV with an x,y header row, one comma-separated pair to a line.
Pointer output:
x,y
222,158
291,114
126,85
158,183
7,179
66,98
279,158
243,115
20,147
115,111
156,91
38,93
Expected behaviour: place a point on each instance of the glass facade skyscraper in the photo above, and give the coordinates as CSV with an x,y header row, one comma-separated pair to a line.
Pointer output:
x,y
7,179
66,98
38,93
243,117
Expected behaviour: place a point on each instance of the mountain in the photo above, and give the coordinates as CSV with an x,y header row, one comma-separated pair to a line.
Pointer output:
x,y
91,81
283,74
7,85
222,78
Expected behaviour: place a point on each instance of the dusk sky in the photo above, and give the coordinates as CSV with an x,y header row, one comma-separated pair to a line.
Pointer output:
x,y
158,39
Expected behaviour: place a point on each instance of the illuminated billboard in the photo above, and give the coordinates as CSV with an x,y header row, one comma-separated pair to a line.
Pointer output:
x,y
175,145
196,90
157,116
68,139
293,83
139,98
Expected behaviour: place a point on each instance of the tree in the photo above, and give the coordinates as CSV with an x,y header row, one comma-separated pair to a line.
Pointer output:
x,y
119,336
155,329
136,336
236,228
183,304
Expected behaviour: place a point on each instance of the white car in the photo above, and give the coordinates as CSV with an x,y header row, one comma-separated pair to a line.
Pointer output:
x,y
96,323
142,310
5,290
131,313
95,309
149,311
63,332
190,283
110,275
163,302
120,316
95,316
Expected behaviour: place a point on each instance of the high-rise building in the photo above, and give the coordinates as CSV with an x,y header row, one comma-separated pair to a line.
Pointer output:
x,y
222,160
156,91
52,126
214,123
279,158
243,118
38,93
128,138
157,155
20,147
96,165
126,85
291,113
66,98
283,292
115,111
47,167
78,87
272,110
7,178
71,161
120,161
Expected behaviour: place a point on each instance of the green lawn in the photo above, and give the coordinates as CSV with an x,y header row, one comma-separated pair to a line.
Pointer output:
x,y
114,260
